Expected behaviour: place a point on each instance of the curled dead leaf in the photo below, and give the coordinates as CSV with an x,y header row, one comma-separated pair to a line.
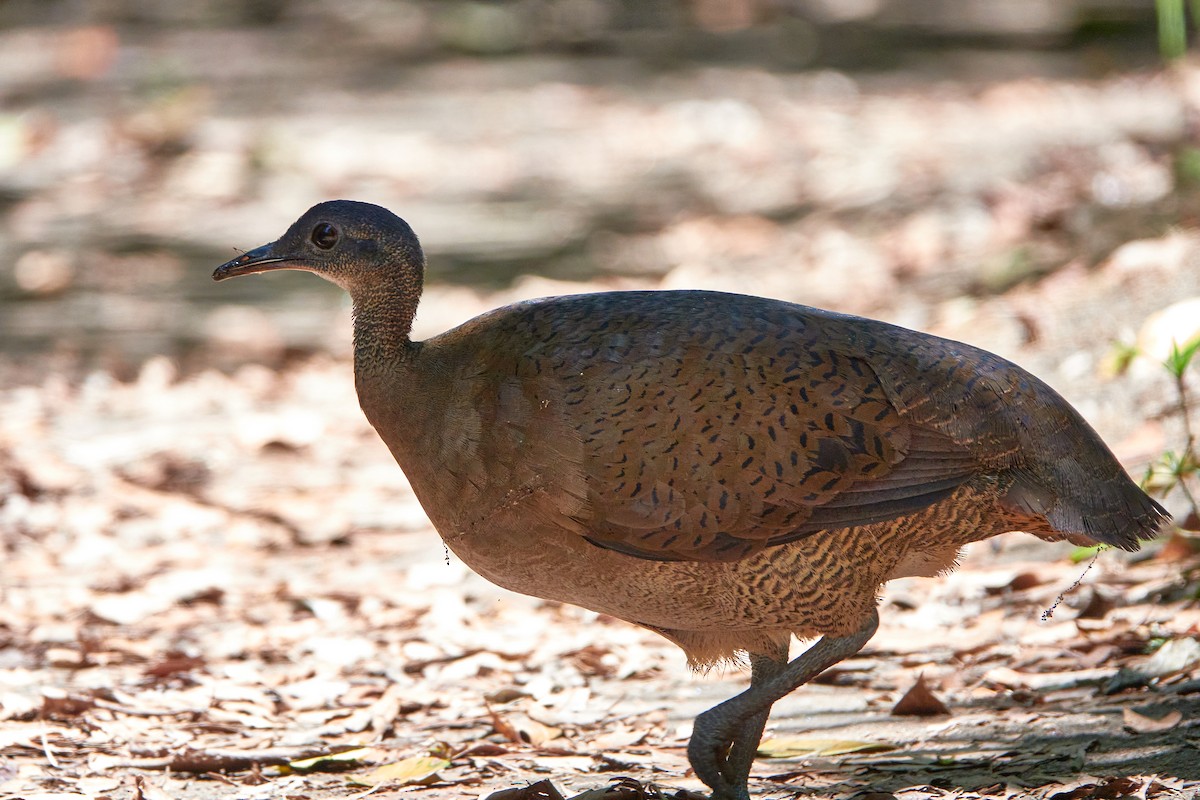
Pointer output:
x,y
503,726
1141,723
145,790
521,729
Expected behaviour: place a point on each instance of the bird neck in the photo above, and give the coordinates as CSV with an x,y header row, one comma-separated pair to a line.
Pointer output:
x,y
400,383
382,325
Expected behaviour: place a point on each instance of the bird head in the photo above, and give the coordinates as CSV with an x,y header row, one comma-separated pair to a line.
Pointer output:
x,y
361,247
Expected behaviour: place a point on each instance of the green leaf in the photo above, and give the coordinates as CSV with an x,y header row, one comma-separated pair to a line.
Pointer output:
x,y
790,747
1172,28
1120,355
1080,554
1180,357
1187,166
1161,476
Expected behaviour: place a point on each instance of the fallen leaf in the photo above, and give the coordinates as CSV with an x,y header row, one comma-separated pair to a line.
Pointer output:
x,y
1098,606
1174,656
1004,676
482,750
64,707
542,790
1181,546
616,740
523,729
1140,723
1102,790
506,695
144,790
789,747
532,732
503,726
409,771
919,701
621,789
379,716
334,762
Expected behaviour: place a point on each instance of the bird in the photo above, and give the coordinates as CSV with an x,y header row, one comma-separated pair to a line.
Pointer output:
x,y
725,470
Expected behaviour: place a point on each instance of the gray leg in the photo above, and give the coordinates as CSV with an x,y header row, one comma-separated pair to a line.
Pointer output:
x,y
726,736
736,770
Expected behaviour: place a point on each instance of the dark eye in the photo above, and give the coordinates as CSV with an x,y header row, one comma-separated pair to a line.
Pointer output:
x,y
324,236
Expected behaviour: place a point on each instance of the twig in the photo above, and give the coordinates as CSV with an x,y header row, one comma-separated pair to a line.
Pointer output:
x,y
1049,612
206,761
49,753
1189,449
374,788
128,711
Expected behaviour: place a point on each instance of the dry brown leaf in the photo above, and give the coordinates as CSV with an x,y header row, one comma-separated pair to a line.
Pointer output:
x,y
503,726
54,707
621,789
1092,789
522,729
1180,546
616,740
506,694
919,701
1140,723
145,790
542,790
378,717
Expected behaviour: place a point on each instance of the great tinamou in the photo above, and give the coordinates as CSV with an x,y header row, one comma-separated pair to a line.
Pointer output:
x,y
727,471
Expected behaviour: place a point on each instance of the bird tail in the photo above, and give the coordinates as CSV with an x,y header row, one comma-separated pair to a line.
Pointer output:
x,y
1092,502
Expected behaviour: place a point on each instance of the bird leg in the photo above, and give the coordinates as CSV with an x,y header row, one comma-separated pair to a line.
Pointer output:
x,y
736,769
725,738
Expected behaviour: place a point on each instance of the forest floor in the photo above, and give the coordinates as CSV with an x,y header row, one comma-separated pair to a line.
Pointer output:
x,y
215,579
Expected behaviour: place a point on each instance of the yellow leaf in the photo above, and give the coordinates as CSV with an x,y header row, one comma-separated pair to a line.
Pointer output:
x,y
416,769
335,761
789,747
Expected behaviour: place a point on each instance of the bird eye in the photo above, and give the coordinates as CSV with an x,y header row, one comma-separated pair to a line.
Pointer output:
x,y
324,236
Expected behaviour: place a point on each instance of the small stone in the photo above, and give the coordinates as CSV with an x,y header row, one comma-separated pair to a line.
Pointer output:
x,y
44,272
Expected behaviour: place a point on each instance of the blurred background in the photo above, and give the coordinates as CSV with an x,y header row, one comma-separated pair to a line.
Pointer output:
x,y
899,158
1022,175
190,498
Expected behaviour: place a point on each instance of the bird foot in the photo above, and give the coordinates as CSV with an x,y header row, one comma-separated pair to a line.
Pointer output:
x,y
709,750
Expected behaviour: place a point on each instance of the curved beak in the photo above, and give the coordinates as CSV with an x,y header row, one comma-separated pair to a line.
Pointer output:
x,y
260,259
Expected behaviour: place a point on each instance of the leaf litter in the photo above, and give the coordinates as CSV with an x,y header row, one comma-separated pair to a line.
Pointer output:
x,y
241,660
212,577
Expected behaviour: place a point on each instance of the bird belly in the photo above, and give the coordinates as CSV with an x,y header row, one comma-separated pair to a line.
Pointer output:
x,y
823,584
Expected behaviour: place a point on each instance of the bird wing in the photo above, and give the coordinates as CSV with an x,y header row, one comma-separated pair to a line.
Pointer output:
x,y
705,426
707,454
